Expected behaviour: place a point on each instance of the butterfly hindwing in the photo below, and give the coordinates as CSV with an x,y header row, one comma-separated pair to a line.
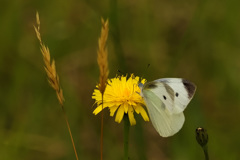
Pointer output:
x,y
165,123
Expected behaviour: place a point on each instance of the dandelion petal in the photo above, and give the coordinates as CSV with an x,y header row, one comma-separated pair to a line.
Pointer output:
x,y
131,116
120,114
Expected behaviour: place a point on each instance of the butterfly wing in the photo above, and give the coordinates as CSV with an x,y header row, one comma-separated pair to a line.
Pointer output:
x,y
175,93
165,123
166,99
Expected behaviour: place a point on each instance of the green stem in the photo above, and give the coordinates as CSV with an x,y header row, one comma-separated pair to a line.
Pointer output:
x,y
126,136
205,150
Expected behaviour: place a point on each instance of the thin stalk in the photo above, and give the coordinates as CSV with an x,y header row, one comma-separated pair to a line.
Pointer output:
x,y
126,136
205,150
69,130
101,147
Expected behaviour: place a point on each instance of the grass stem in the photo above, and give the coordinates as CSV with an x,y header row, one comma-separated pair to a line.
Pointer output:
x,y
70,133
101,147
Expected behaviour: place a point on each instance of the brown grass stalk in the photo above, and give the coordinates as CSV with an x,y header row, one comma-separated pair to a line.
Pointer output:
x,y
103,67
52,75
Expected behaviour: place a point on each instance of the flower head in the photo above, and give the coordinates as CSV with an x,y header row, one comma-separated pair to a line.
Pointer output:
x,y
201,136
122,96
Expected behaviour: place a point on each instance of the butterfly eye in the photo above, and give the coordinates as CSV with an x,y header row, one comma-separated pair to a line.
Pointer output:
x,y
177,94
164,97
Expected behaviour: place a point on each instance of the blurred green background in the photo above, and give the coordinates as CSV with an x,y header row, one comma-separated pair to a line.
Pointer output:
x,y
194,39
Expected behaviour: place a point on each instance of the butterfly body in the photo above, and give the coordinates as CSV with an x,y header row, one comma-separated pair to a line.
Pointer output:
x,y
166,100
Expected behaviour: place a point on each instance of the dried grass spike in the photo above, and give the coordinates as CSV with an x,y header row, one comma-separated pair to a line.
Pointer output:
x,y
49,66
53,78
103,56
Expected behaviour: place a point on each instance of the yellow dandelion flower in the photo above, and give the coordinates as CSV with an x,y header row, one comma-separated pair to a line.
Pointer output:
x,y
121,96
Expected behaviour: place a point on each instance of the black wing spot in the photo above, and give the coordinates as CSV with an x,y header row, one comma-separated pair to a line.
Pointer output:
x,y
190,87
164,97
177,94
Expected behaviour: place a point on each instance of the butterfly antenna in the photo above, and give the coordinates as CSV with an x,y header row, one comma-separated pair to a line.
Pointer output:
x,y
120,72
140,79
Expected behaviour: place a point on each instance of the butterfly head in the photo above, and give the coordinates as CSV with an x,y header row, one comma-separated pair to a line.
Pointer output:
x,y
140,85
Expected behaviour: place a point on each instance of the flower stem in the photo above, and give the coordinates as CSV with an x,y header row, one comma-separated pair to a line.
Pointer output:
x,y
126,136
205,150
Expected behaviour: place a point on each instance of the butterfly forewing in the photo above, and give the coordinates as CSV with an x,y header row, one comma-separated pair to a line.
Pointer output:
x,y
175,93
166,99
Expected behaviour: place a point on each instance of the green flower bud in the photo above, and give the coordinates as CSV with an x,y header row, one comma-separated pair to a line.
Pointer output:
x,y
201,136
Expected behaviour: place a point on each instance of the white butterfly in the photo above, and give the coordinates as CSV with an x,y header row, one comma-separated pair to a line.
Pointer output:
x,y
165,100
